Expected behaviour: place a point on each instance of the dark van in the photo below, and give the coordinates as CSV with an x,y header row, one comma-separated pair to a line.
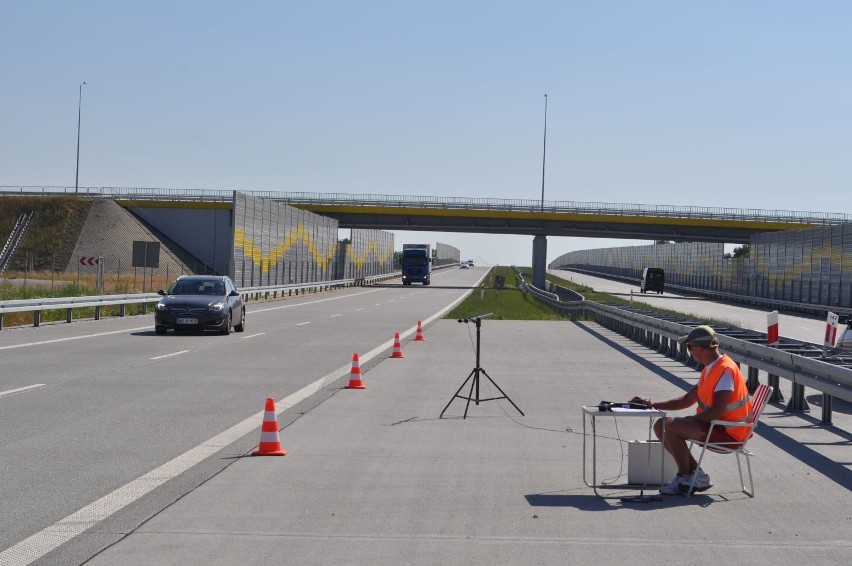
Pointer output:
x,y
653,279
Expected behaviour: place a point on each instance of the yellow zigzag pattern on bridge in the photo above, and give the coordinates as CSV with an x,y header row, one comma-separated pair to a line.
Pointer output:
x,y
280,250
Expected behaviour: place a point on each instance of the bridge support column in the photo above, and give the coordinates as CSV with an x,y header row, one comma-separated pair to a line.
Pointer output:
x,y
539,262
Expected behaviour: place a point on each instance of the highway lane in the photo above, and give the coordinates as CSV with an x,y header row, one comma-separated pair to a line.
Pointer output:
x,y
91,406
790,326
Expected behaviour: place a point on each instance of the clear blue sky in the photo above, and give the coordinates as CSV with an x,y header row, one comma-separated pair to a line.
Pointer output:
x,y
744,104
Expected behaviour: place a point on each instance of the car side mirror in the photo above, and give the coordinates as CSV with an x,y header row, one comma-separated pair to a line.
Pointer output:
x,y
233,294
161,292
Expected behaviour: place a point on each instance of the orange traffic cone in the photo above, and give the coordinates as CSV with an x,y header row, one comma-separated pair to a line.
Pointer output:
x,y
270,442
355,376
397,347
419,337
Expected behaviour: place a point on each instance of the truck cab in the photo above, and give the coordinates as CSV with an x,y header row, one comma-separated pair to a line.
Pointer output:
x,y
416,265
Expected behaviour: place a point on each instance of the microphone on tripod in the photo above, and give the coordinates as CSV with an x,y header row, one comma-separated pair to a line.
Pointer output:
x,y
476,319
473,394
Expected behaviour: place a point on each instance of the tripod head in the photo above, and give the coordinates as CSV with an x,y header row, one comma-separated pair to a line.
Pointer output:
x,y
476,319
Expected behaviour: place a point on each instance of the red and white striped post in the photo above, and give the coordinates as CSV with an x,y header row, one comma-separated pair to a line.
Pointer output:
x,y
772,328
830,332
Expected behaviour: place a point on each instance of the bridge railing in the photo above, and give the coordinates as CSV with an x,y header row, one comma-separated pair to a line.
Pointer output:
x,y
808,218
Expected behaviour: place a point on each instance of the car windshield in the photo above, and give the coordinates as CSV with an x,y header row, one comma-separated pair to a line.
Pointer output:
x,y
204,287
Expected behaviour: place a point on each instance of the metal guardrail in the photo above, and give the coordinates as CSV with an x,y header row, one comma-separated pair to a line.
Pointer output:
x,y
456,203
37,306
789,306
802,364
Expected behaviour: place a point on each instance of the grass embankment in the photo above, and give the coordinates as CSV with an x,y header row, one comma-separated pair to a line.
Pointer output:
x,y
50,239
511,304
508,303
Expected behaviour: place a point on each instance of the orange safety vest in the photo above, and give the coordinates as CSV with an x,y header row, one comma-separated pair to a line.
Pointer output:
x,y
738,407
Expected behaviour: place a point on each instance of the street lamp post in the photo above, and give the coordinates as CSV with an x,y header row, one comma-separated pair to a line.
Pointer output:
x,y
544,153
79,114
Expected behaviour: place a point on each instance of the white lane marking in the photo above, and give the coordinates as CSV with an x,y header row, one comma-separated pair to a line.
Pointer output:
x,y
19,389
74,338
48,539
362,308
41,343
254,335
302,323
334,315
34,547
170,355
317,301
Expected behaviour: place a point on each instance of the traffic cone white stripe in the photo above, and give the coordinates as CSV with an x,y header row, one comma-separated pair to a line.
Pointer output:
x,y
269,437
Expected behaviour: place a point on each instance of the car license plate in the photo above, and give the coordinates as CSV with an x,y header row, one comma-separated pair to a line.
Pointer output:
x,y
187,321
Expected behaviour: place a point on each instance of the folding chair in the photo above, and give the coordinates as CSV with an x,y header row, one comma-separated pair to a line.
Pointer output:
x,y
758,402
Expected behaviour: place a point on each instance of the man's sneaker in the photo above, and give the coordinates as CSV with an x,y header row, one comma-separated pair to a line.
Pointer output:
x,y
674,486
702,481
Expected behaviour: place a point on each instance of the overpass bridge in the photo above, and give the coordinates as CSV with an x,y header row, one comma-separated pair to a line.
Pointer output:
x,y
495,216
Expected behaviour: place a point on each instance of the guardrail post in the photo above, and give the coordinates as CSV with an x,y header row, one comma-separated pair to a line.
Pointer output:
x,y
122,310
36,318
144,308
798,403
1,321
97,312
69,315
826,408
774,380
753,381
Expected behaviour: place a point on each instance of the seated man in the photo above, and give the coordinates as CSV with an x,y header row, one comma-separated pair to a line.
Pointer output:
x,y
720,393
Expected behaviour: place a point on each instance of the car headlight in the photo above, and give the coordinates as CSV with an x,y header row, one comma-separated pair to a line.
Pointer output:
x,y
216,307
162,307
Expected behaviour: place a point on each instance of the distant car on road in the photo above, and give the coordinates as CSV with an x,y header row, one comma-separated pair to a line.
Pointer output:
x,y
200,302
463,265
470,263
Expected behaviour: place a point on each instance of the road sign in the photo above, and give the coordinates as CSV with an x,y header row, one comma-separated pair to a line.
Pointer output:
x,y
146,254
84,260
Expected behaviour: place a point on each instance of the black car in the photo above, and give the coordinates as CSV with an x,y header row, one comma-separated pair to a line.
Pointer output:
x,y
200,302
653,279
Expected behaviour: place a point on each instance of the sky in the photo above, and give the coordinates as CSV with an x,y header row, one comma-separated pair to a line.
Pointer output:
x,y
740,104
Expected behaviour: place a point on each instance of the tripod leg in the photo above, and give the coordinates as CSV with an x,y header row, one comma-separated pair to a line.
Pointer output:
x,y
457,394
474,383
502,392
